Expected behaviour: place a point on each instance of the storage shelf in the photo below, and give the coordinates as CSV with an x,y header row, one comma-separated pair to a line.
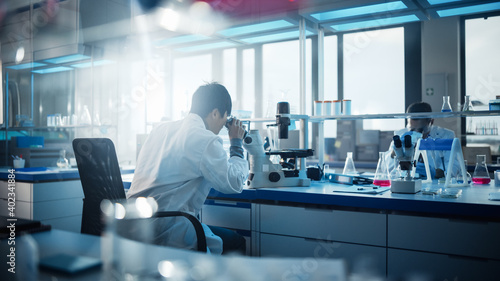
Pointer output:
x,y
407,115
317,119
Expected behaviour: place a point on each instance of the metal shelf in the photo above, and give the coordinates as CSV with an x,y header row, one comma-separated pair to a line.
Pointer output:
x,y
317,119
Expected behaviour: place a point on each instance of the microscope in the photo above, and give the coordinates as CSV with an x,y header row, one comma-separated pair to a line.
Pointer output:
x,y
265,173
404,150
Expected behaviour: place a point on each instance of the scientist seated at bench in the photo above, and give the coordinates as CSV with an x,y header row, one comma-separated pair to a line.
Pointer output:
x,y
438,160
182,160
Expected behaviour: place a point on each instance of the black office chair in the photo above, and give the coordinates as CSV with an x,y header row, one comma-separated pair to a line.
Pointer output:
x,y
101,179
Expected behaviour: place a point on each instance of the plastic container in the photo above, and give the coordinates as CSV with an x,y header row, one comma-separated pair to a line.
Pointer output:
x,y
318,108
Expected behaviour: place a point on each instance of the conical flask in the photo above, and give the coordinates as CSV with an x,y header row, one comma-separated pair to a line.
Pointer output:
x,y
446,104
481,175
467,104
382,177
349,168
396,171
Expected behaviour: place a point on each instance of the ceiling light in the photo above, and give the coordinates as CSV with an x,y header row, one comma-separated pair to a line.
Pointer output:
x,y
180,40
253,28
209,46
273,37
65,59
357,11
469,9
52,70
25,65
89,64
374,23
437,2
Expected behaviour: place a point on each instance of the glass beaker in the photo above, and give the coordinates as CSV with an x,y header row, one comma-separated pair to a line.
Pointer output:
x,y
467,104
382,177
349,168
446,104
62,162
481,175
128,229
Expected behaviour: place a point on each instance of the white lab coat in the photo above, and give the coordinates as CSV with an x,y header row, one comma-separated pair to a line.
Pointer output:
x,y
435,160
178,165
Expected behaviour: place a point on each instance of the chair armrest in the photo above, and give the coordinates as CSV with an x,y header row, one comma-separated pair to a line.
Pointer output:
x,y
200,233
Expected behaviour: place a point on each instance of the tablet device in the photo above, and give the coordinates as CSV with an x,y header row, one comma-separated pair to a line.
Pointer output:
x,y
70,264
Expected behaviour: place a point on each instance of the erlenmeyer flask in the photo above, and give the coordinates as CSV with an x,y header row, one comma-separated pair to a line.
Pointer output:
x,y
446,104
481,175
467,104
382,177
349,168
396,171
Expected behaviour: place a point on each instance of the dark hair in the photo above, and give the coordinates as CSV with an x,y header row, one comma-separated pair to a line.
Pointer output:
x,y
209,97
419,107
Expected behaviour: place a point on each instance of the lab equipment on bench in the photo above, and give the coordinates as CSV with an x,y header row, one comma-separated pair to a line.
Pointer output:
x,y
265,173
453,145
382,177
481,175
404,150
349,168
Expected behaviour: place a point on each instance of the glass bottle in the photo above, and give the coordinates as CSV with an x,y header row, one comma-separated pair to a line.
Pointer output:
x,y
62,162
446,104
382,177
349,168
468,104
481,175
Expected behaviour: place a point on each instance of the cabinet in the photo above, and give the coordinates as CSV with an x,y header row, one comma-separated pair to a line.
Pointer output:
x,y
58,204
442,248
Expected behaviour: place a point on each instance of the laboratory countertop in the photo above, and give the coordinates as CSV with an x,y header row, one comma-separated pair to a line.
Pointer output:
x,y
474,200
45,174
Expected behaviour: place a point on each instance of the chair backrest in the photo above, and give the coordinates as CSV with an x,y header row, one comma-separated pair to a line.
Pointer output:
x,y
100,176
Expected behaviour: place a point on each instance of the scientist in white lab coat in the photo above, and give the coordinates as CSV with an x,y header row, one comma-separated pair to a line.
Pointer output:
x,y
182,160
438,160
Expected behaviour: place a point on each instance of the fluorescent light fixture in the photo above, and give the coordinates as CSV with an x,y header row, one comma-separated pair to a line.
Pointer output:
x,y
89,64
469,9
273,37
374,23
180,40
258,27
52,70
209,46
437,2
26,65
357,11
65,59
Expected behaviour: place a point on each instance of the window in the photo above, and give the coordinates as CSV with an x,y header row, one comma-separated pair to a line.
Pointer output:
x,y
374,75
482,58
330,79
189,73
281,76
248,81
